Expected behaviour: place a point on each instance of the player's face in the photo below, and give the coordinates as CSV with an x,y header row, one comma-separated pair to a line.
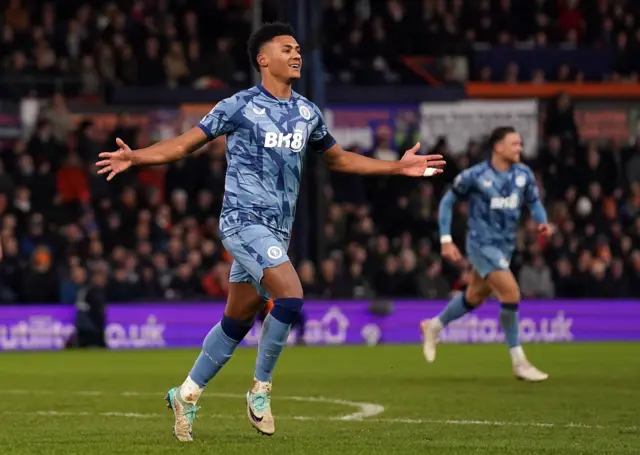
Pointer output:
x,y
510,148
282,57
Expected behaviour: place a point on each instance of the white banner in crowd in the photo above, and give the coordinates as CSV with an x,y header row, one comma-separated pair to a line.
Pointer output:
x,y
348,135
463,121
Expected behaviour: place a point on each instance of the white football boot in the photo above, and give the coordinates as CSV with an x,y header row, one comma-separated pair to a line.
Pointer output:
x,y
259,408
430,329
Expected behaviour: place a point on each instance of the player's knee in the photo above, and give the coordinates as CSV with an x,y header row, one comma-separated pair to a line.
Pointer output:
x,y
287,309
282,282
243,302
289,292
510,295
473,298
234,328
475,295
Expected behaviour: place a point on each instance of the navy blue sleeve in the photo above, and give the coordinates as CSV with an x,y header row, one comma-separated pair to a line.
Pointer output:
x,y
320,139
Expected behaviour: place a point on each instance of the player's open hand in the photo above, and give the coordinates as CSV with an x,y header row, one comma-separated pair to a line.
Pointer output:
x,y
545,229
116,162
414,165
451,252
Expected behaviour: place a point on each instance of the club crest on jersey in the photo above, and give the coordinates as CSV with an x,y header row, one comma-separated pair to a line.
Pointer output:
x,y
274,252
305,113
521,181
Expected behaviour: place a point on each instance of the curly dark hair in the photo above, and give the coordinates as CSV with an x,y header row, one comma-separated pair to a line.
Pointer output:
x,y
263,35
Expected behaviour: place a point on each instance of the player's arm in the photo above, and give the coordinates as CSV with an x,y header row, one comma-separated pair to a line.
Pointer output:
x,y
411,164
169,150
113,163
340,160
445,216
217,122
537,210
460,189
448,249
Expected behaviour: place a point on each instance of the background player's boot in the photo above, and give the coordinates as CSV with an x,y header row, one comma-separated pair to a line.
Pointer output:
x,y
527,372
430,333
183,413
259,407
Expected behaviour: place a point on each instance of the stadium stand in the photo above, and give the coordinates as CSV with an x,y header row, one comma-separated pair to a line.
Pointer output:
x,y
153,232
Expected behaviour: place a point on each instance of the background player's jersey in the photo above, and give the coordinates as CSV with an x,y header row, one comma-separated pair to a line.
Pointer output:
x,y
495,199
266,141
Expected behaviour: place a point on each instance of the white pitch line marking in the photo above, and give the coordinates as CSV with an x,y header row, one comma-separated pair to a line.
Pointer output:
x,y
363,410
152,415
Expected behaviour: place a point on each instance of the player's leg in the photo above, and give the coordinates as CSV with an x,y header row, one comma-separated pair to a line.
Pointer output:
x,y
283,285
475,294
263,255
300,324
242,305
505,287
218,346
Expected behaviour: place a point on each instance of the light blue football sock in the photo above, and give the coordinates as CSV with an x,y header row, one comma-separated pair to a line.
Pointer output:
x,y
217,349
275,332
509,322
455,309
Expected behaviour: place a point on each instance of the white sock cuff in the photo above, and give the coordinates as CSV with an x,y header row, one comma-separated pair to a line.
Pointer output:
x,y
517,354
190,391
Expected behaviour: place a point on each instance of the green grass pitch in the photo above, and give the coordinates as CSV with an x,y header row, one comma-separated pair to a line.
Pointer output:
x,y
334,400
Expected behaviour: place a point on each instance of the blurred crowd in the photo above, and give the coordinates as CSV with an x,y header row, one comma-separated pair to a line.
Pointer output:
x,y
153,233
92,46
87,48
384,239
366,40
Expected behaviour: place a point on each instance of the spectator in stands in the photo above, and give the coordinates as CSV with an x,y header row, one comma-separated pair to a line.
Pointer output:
x,y
158,229
432,284
535,279
310,286
90,310
40,283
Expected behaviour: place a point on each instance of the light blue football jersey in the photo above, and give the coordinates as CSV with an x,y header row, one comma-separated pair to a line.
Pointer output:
x,y
267,138
495,201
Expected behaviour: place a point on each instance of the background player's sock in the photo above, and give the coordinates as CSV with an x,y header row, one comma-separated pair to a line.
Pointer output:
x,y
455,309
217,348
509,322
275,331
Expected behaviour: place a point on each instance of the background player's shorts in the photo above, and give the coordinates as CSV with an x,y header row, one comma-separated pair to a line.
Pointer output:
x,y
487,259
254,248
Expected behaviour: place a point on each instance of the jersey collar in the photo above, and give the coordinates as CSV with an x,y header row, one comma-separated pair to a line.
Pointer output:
x,y
497,171
269,95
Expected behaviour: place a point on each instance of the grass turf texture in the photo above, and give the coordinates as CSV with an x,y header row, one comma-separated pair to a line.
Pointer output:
x,y
465,403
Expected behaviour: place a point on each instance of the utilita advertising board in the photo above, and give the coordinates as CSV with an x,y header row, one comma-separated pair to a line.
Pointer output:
x,y
184,325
